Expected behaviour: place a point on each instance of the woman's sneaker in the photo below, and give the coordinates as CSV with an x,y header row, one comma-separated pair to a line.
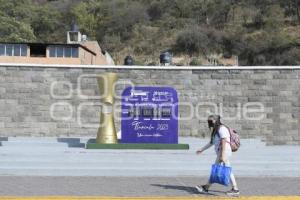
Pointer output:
x,y
202,188
233,192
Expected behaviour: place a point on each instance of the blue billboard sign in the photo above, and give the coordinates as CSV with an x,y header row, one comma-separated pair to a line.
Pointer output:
x,y
149,115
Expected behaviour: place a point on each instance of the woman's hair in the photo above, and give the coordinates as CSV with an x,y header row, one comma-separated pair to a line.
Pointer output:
x,y
216,127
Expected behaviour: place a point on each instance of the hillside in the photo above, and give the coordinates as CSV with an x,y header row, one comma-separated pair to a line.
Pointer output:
x,y
258,32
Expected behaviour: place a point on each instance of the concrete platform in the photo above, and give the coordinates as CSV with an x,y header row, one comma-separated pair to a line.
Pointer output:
x,y
68,157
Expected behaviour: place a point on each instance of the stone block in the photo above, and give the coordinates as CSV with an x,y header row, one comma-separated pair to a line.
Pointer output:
x,y
296,138
37,79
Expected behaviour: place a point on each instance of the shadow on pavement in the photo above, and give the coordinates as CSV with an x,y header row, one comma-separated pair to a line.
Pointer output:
x,y
3,139
190,190
91,141
72,142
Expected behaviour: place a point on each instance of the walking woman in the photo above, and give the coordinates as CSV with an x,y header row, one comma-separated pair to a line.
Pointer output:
x,y
220,139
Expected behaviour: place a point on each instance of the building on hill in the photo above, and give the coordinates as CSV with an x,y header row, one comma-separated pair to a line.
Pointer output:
x,y
76,51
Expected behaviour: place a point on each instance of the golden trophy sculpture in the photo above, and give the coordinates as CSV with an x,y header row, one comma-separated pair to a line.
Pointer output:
x,y
107,130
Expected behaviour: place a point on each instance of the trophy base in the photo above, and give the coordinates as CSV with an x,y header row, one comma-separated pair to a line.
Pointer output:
x,y
106,141
106,137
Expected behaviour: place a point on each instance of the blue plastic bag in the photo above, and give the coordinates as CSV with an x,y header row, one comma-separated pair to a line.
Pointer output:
x,y
220,174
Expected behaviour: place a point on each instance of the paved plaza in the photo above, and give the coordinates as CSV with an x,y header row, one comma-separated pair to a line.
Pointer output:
x,y
63,167
141,186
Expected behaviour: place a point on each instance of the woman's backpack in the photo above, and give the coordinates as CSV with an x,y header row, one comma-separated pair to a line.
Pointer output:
x,y
235,141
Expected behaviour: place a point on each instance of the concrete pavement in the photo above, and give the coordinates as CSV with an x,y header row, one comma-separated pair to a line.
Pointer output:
x,y
67,157
63,167
141,186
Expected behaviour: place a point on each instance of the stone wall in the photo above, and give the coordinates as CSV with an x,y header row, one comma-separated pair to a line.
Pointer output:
x,y
49,101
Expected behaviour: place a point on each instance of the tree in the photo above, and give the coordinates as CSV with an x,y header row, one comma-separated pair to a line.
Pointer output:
x,y
260,32
48,24
120,19
155,11
15,31
292,8
86,17
193,41
274,19
20,10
